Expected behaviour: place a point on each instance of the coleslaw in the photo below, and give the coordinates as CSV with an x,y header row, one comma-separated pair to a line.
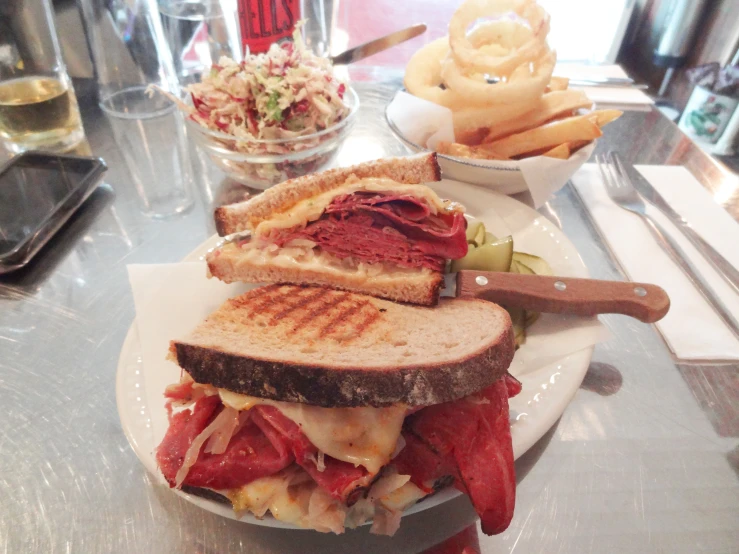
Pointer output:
x,y
285,93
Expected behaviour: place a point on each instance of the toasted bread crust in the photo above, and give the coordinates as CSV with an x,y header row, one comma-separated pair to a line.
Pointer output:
x,y
333,388
233,218
417,289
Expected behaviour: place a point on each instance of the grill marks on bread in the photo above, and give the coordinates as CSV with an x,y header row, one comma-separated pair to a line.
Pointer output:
x,y
310,312
336,349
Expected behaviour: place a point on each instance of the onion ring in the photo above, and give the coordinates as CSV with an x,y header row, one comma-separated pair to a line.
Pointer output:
x,y
474,60
522,86
423,75
502,35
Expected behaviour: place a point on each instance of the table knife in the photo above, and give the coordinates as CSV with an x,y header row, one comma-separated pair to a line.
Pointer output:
x,y
561,295
719,263
378,45
614,82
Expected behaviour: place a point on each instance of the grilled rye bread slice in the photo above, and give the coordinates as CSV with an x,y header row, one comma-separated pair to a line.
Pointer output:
x,y
338,349
243,216
422,287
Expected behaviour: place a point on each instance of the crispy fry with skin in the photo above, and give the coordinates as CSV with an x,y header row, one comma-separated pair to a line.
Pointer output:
x,y
471,137
545,137
471,119
561,152
464,151
575,145
604,117
548,107
558,83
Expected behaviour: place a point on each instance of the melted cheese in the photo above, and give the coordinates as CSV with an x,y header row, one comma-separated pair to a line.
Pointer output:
x,y
311,258
360,436
311,209
403,498
289,497
283,495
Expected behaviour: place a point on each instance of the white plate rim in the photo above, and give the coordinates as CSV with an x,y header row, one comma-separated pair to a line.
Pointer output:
x,y
525,432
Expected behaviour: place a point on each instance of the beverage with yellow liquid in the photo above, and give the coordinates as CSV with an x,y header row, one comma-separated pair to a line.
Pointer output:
x,y
39,112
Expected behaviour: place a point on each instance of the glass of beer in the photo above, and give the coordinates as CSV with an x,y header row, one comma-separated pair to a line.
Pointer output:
x,y
38,108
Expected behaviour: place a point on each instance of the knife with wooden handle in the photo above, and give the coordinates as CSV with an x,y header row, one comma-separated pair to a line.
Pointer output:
x,y
562,295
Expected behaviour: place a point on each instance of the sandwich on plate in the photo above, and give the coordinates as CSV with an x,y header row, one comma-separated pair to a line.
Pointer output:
x,y
328,409
374,228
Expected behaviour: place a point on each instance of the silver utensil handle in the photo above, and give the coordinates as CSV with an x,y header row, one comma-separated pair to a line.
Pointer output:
x,y
679,256
608,84
720,264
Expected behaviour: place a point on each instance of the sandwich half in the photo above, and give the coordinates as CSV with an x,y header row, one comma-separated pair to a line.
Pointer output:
x,y
328,409
373,228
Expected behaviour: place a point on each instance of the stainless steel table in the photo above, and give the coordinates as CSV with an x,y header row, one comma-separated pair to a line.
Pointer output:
x,y
645,458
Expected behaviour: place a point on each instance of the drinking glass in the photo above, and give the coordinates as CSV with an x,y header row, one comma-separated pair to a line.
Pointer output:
x,y
135,76
38,107
151,136
198,33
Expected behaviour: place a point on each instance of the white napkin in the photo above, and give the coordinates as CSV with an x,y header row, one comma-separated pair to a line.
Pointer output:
x,y
603,95
171,300
545,176
692,329
421,121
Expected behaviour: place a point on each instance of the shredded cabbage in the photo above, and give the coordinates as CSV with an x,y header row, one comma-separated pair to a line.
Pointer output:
x,y
285,93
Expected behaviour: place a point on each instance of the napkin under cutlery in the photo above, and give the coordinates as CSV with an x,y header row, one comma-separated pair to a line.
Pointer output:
x,y
691,329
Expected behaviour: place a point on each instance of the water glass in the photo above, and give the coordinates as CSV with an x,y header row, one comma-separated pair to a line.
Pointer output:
x,y
198,33
135,71
150,133
38,107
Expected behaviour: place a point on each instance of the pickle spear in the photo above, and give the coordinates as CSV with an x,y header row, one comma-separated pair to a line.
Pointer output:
x,y
537,265
495,256
473,228
488,253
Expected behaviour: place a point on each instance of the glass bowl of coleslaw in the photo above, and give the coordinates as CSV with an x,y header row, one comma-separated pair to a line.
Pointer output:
x,y
271,117
261,163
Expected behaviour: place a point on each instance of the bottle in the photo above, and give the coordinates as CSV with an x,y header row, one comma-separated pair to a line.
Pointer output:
x,y
264,22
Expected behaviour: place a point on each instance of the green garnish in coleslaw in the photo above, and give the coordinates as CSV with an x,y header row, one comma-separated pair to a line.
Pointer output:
x,y
285,93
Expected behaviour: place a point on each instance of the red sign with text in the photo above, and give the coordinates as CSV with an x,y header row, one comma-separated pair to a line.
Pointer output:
x,y
263,22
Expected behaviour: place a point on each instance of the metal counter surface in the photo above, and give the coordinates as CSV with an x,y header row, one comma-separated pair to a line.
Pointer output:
x,y
645,458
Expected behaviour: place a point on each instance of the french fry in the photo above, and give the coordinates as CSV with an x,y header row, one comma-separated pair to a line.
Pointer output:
x,y
561,152
558,83
471,137
575,145
604,117
545,137
464,151
548,107
443,147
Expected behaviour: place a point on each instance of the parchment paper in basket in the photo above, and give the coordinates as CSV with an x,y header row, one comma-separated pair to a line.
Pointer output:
x,y
425,123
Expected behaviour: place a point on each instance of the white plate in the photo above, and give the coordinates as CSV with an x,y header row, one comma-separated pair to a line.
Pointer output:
x,y
546,390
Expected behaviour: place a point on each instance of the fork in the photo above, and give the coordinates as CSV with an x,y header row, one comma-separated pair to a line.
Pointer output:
x,y
622,192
